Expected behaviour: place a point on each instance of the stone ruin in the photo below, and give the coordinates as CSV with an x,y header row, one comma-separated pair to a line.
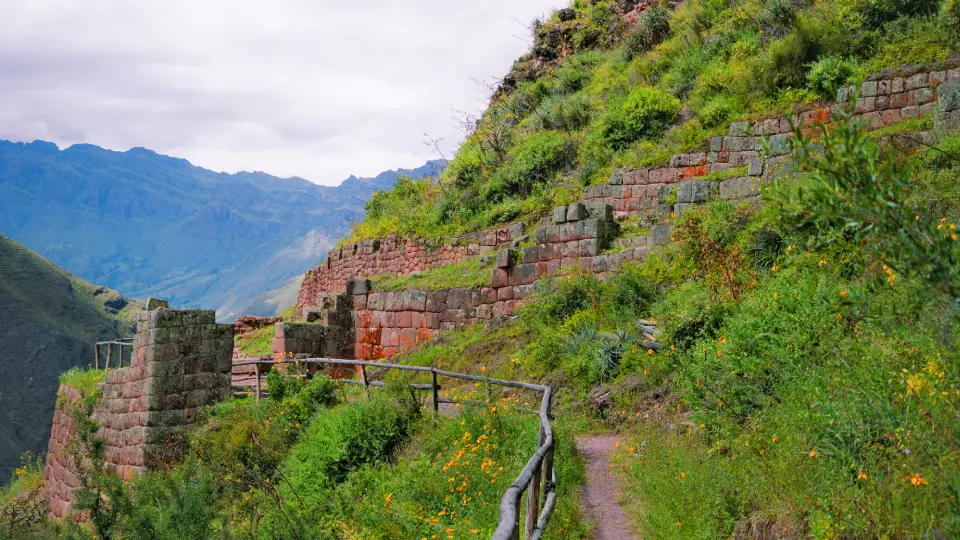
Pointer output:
x,y
181,363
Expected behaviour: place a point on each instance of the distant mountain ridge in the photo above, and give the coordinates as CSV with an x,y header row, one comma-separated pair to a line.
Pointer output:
x,y
153,225
49,322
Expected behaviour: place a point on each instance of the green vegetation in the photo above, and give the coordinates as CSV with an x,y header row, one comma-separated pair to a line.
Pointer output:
x,y
808,377
84,380
469,273
256,343
315,460
608,94
50,321
803,379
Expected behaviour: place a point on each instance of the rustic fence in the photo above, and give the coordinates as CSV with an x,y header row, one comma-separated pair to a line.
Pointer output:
x,y
111,346
537,476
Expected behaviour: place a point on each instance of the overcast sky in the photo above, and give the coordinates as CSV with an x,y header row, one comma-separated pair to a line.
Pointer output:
x,y
315,88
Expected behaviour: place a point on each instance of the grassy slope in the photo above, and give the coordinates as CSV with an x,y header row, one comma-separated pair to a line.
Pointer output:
x,y
814,403
602,95
50,320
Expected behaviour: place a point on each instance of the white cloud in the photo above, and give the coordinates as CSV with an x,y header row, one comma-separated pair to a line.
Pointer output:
x,y
304,88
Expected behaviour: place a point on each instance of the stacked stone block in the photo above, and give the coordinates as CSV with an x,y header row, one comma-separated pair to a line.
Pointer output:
x,y
291,339
181,363
765,145
60,474
578,234
397,254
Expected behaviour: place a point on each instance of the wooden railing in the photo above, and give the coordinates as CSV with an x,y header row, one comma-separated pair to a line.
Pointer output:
x,y
113,345
530,479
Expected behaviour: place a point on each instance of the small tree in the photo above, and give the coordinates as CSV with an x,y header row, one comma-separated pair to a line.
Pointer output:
x,y
852,187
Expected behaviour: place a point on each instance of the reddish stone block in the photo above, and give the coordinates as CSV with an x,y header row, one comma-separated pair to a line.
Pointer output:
x,y
541,270
408,338
416,319
488,295
522,274
501,278
505,293
404,319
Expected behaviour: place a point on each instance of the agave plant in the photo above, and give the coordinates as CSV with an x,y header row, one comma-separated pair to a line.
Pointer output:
x,y
608,354
765,248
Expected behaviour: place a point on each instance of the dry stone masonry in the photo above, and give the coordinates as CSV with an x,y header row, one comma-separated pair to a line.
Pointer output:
x,y
181,363
397,254
585,234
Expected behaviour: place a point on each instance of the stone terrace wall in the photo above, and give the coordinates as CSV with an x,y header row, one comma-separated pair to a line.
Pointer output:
x,y
883,101
181,363
389,322
397,254
582,233
60,475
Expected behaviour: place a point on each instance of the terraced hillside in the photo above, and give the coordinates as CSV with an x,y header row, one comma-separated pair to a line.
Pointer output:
x,y
723,232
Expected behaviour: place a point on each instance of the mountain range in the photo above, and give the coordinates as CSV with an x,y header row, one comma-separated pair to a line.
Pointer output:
x,y
153,225
49,322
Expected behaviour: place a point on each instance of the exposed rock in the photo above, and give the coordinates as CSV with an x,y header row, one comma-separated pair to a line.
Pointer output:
x,y
567,14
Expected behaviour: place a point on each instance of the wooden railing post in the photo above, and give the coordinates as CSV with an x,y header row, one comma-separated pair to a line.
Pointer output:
x,y
548,459
109,355
363,377
96,356
436,392
120,350
533,493
257,370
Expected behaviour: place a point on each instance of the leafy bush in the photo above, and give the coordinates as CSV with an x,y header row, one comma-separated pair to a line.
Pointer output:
x,y
174,504
788,59
569,80
564,114
645,112
869,196
535,160
828,75
340,440
482,451
654,27
877,13
718,111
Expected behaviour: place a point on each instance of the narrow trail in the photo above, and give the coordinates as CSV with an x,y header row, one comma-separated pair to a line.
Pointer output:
x,y
599,496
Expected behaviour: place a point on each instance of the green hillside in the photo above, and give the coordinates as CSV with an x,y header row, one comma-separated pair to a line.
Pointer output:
x,y
596,93
49,321
781,367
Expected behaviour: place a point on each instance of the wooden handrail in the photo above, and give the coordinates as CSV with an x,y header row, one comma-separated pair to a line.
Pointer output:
x,y
120,343
531,477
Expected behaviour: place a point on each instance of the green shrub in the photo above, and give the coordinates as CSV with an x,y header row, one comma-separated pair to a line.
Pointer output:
x,y
564,114
644,113
340,440
569,80
175,504
869,194
828,75
654,28
877,13
535,160
718,111
84,380
787,61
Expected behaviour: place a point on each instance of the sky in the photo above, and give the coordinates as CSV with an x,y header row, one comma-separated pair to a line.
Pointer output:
x,y
309,88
